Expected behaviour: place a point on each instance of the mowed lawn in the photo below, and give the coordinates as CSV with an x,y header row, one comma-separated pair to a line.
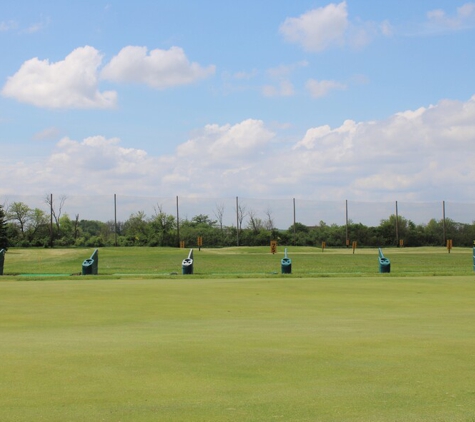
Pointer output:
x,y
240,261
189,348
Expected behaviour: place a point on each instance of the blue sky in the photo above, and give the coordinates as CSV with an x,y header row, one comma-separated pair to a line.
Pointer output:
x,y
360,99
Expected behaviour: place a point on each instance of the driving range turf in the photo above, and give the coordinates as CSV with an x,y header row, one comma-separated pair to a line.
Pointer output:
x,y
238,341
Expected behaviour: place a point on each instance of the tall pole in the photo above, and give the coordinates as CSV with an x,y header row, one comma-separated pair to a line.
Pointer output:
x,y
115,219
397,227
347,239
294,216
51,220
177,223
443,222
237,221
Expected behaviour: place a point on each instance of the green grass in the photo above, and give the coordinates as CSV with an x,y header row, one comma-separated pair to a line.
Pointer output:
x,y
326,349
241,262
318,345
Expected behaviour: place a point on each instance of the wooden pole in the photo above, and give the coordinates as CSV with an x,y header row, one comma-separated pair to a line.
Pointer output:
x,y
443,222
397,227
237,221
115,219
347,239
294,216
177,222
51,221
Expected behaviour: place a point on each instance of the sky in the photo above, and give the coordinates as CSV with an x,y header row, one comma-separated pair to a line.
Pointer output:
x,y
363,100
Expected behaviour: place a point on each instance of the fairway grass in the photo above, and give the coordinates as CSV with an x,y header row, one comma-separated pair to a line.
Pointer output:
x,y
238,349
239,262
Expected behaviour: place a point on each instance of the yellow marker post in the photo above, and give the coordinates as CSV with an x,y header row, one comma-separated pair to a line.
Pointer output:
x,y
449,245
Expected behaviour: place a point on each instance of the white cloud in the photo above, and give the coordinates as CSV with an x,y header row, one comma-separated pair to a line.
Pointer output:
x,y
158,68
329,26
98,154
320,89
464,17
422,153
69,83
439,21
418,155
222,146
318,29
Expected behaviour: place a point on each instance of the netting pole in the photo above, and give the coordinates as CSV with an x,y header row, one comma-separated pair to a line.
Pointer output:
x,y
397,227
347,239
177,222
51,221
237,221
294,216
115,219
443,222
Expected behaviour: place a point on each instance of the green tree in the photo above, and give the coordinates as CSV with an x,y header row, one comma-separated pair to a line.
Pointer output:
x,y
20,213
38,232
3,230
163,229
136,229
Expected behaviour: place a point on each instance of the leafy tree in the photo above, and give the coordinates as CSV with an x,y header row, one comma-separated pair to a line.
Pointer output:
x,y
21,213
37,221
162,228
3,230
136,229
203,221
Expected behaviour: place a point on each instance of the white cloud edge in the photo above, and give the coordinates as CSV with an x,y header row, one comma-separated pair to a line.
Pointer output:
x,y
74,81
408,155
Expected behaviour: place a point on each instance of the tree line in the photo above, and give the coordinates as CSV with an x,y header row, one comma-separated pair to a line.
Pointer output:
x,y
22,226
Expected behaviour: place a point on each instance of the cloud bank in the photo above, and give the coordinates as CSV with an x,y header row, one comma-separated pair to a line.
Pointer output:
x,y
74,81
408,156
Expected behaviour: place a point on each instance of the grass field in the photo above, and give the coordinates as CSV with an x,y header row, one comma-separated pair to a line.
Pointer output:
x,y
241,262
334,341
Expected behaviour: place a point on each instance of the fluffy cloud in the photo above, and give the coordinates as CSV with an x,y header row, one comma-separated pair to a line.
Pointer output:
x,y
423,155
325,27
99,154
411,154
74,81
158,68
69,83
94,165
227,145
317,29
